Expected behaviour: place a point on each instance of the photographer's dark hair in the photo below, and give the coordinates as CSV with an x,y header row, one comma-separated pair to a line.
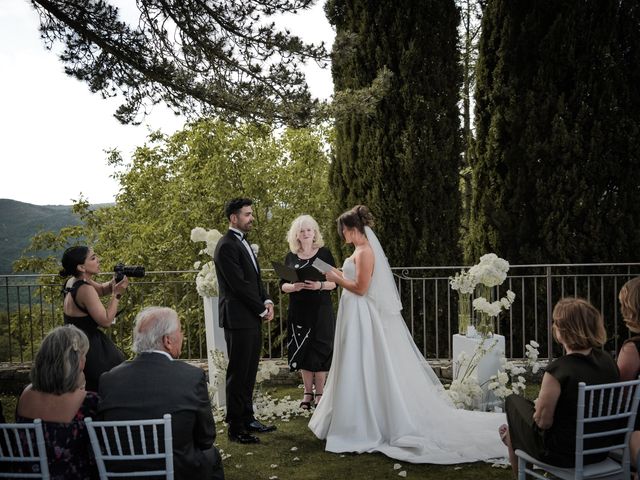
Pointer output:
x,y
71,258
235,205
358,217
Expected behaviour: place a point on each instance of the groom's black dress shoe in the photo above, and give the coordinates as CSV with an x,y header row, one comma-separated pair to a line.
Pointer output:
x,y
243,437
257,426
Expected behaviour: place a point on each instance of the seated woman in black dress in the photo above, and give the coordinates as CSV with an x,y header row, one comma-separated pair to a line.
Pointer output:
x,y
546,430
311,321
83,308
57,396
629,356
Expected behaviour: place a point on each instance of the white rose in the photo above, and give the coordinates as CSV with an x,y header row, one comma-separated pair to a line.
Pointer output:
x,y
198,234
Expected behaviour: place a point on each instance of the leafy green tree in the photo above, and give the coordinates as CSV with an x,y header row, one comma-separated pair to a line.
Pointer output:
x,y
182,181
558,133
213,57
397,79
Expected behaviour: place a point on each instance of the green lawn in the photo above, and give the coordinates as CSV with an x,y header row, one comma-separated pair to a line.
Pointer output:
x,y
293,452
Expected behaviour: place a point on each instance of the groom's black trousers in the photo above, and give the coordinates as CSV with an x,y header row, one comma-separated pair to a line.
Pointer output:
x,y
243,349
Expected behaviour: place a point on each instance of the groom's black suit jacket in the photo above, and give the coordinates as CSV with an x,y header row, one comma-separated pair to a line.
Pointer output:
x,y
242,293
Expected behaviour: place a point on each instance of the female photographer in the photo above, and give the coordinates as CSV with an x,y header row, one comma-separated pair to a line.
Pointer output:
x,y
83,308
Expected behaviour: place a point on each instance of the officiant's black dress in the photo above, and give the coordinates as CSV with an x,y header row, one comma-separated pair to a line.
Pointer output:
x,y
311,321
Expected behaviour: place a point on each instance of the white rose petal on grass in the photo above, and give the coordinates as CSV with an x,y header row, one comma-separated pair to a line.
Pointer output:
x,y
274,465
296,459
273,477
403,473
294,449
249,453
397,466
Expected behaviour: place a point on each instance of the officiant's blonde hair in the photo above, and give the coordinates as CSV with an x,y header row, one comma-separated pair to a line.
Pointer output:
x,y
297,225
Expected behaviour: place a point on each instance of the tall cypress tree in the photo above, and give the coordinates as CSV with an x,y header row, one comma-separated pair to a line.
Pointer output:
x,y
557,122
398,145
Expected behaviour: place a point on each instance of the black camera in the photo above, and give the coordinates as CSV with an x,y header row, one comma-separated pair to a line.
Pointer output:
x,y
129,270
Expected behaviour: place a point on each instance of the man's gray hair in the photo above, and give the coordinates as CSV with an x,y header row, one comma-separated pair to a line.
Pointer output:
x,y
151,325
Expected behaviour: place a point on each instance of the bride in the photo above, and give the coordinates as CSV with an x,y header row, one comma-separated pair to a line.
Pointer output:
x,y
381,394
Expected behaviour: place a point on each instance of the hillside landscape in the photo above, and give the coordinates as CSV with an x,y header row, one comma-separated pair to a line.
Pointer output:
x,y
20,221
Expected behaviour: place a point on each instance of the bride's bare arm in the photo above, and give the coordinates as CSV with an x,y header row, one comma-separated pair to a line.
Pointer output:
x,y
364,260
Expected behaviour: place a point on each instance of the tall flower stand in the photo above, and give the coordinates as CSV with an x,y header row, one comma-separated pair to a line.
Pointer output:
x,y
215,341
488,365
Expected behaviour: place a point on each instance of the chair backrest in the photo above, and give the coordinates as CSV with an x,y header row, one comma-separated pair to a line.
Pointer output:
x,y
125,448
22,448
606,414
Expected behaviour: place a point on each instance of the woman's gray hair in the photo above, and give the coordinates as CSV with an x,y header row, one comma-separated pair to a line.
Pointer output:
x,y
151,325
56,368
296,226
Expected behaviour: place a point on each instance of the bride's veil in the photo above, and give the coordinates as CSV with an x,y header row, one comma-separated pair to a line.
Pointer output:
x,y
383,292
382,289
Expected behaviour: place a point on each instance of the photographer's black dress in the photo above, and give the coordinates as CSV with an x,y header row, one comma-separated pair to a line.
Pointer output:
x,y
311,321
103,355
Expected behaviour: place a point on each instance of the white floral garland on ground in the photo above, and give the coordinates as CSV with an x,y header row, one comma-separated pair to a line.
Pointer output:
x,y
265,406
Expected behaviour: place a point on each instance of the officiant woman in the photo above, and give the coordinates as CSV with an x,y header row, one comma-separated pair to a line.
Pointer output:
x,y
311,321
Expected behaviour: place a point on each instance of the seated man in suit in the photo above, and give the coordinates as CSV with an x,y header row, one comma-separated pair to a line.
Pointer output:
x,y
155,383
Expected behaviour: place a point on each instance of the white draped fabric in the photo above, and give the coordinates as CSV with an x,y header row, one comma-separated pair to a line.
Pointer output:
x,y
381,394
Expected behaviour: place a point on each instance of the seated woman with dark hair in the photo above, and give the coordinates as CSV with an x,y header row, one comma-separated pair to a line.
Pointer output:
x,y
546,429
57,396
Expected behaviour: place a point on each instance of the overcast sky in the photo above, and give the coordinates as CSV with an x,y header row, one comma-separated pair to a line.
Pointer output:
x,y
54,132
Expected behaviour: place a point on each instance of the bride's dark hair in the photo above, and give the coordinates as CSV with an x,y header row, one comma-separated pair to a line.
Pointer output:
x,y
358,217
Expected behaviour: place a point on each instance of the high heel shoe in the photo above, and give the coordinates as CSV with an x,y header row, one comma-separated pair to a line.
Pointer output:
x,y
306,405
315,396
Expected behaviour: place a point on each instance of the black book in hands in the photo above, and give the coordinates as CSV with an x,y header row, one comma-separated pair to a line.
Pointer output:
x,y
293,275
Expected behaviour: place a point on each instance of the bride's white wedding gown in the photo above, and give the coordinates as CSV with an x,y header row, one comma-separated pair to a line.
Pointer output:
x,y
382,396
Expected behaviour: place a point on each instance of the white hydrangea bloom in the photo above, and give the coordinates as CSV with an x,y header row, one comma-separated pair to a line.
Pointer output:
x,y
206,280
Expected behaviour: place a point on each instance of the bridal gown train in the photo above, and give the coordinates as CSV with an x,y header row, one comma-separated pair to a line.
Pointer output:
x,y
382,396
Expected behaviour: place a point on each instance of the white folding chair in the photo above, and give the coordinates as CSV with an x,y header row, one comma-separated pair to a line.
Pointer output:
x,y
131,441
600,406
23,443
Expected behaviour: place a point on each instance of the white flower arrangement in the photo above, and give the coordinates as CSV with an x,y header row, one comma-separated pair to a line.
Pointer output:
x,y
510,379
206,280
464,393
493,309
491,271
463,282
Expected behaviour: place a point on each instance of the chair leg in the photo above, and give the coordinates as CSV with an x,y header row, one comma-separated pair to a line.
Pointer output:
x,y
522,467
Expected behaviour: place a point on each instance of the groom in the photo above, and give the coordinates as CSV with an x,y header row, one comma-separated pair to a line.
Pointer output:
x,y
243,305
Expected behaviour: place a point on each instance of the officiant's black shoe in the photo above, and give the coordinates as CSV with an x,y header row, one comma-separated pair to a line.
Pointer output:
x,y
243,437
257,426
306,405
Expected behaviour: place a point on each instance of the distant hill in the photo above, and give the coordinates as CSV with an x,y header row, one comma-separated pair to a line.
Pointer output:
x,y
20,221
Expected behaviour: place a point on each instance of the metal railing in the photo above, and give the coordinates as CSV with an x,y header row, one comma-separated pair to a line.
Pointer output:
x,y
30,305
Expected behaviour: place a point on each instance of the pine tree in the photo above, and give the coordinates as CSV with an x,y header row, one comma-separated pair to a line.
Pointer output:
x,y
398,143
557,122
216,57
